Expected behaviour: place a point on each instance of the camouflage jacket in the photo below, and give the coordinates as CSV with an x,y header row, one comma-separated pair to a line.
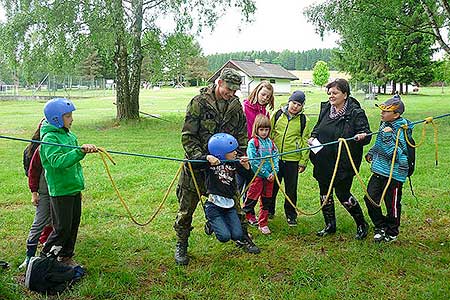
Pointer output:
x,y
203,120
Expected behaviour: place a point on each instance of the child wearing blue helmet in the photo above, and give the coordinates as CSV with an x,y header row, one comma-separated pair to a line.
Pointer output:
x,y
64,178
221,187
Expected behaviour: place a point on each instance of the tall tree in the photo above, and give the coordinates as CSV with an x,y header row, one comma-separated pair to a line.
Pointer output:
x,y
197,69
379,39
91,66
321,73
179,48
63,29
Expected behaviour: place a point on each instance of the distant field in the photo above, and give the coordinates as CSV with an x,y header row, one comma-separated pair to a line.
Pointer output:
x,y
306,76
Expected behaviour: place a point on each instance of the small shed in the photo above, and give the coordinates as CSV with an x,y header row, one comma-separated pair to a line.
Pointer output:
x,y
253,72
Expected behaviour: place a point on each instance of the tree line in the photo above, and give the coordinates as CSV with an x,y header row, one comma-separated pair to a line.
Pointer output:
x,y
290,60
385,41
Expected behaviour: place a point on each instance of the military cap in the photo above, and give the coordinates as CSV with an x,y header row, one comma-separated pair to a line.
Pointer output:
x,y
232,78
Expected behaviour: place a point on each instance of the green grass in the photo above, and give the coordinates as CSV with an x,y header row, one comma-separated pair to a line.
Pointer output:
x,y
125,261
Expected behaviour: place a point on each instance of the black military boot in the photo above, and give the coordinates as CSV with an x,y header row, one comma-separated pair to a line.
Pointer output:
x,y
329,216
181,257
247,244
353,207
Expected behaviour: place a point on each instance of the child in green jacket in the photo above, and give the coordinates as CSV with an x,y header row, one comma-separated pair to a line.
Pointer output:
x,y
290,131
64,178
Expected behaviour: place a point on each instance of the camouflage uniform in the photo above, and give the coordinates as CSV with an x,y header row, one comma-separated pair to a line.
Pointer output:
x,y
203,119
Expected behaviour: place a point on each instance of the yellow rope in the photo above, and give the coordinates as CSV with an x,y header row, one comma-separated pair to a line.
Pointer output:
x,y
427,121
330,188
198,189
391,171
104,153
253,179
358,176
199,194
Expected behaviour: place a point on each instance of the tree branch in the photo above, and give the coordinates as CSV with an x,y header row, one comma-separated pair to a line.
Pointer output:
x,y
435,27
446,6
155,4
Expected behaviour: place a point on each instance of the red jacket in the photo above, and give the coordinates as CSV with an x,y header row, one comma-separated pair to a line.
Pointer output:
x,y
34,171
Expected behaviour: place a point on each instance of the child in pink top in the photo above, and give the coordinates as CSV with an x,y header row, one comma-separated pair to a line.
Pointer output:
x,y
259,99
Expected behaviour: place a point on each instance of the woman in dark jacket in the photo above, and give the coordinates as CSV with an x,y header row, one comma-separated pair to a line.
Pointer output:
x,y
340,117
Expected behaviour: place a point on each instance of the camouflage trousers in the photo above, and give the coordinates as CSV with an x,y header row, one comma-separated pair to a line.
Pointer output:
x,y
188,201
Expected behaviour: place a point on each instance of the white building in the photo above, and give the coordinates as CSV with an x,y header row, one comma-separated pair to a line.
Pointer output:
x,y
254,72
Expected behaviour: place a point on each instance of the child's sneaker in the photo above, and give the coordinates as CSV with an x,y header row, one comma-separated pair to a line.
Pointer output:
x,y
390,238
25,263
379,235
292,222
265,230
251,219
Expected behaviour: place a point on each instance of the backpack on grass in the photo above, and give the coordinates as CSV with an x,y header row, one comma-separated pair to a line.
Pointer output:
x,y
46,275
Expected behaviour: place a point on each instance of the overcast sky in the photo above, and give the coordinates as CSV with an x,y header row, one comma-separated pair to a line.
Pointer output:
x,y
278,25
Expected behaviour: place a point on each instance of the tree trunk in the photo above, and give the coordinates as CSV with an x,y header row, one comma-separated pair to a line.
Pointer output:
x,y
401,89
406,89
136,58
127,106
394,87
122,85
384,88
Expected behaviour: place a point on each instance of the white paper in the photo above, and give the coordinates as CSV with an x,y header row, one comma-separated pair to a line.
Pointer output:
x,y
316,143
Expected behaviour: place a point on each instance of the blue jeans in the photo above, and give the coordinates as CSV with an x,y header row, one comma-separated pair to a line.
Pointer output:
x,y
224,222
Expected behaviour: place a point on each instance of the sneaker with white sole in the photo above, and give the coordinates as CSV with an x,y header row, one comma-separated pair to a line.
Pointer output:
x,y
379,235
390,238
252,220
24,265
292,222
264,229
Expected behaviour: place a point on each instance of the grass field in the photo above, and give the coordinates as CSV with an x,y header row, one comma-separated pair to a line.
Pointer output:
x,y
125,261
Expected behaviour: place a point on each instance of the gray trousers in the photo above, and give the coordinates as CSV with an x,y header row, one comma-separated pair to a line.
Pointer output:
x,y
42,218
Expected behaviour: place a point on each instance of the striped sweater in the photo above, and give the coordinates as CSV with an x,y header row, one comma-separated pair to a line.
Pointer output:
x,y
383,150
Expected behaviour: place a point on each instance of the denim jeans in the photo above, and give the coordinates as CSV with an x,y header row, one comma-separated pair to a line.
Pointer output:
x,y
224,222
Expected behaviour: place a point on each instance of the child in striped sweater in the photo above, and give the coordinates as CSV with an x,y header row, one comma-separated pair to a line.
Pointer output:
x,y
380,155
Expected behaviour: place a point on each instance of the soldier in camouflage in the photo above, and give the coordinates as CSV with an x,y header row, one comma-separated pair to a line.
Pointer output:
x,y
215,110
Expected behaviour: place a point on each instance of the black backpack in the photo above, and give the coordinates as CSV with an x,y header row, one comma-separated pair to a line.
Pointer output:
x,y
302,121
411,154
27,158
47,275
411,149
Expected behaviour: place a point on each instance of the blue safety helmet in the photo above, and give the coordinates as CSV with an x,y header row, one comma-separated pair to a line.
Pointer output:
x,y
222,143
55,109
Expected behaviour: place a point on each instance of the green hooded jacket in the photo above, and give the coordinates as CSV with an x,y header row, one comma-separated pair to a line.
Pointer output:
x,y
62,165
286,136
